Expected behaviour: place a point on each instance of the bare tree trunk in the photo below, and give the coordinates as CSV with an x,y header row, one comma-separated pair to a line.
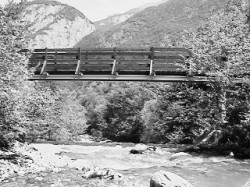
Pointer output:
x,y
222,100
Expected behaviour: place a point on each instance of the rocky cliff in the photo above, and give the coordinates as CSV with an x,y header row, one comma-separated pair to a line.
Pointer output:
x,y
53,24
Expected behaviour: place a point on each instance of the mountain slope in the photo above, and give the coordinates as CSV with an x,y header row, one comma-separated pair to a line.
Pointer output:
x,y
155,26
116,19
53,24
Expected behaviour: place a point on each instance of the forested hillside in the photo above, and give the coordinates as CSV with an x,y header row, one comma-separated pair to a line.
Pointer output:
x,y
156,26
140,112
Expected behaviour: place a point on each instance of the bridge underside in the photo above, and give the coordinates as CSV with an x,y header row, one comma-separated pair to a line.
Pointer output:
x,y
143,78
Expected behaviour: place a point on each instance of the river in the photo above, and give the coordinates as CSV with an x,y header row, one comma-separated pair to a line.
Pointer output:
x,y
200,170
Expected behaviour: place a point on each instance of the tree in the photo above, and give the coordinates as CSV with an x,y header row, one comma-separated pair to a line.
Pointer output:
x,y
177,115
122,116
221,50
13,69
72,114
25,107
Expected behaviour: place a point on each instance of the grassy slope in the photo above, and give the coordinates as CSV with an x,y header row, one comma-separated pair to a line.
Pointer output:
x,y
154,25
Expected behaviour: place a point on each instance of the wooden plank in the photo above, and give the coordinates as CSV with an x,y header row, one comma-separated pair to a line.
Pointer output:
x,y
169,61
134,63
167,57
90,53
173,51
59,55
63,61
170,49
71,53
100,61
133,53
131,49
96,67
169,70
132,58
55,49
86,49
120,67
97,57
168,65
97,49
163,68
185,55
72,61
60,62
62,66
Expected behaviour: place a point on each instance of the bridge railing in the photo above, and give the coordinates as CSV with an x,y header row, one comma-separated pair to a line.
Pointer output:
x,y
112,61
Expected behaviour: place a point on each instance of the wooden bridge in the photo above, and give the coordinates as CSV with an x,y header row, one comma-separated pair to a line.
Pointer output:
x,y
113,64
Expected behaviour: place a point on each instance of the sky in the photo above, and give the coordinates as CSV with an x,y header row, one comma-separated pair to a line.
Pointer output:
x,y
100,9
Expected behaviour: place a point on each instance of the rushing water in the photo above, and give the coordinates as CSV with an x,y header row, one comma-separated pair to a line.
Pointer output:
x,y
200,170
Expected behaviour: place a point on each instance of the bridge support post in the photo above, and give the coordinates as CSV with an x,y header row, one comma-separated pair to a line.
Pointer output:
x,y
114,62
151,73
55,63
43,70
77,72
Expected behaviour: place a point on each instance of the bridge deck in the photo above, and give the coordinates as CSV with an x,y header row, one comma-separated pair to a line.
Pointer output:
x,y
113,64
141,78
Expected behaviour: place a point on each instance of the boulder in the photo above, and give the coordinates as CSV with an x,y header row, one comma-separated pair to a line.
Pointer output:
x,y
136,151
141,148
180,155
101,174
168,179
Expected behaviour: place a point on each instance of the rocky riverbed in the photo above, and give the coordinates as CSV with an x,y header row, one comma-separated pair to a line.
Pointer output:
x,y
112,164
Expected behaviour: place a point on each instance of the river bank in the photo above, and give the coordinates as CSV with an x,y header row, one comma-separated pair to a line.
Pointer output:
x,y
63,165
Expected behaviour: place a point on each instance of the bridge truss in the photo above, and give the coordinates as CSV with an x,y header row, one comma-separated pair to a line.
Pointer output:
x,y
113,64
